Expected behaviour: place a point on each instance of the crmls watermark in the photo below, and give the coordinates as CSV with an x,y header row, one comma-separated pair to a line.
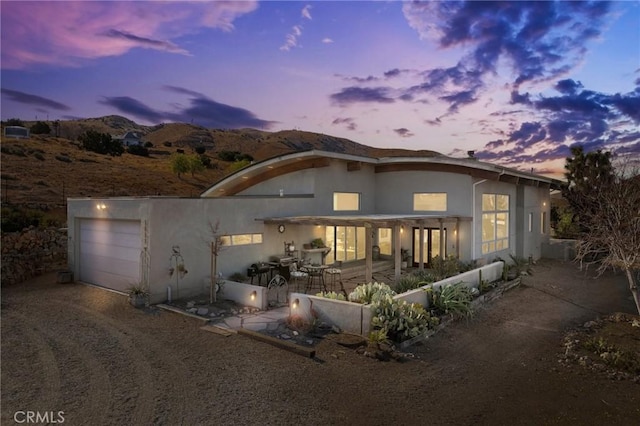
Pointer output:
x,y
31,417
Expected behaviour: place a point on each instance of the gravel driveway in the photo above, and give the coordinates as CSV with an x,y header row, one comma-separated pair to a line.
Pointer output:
x,y
86,353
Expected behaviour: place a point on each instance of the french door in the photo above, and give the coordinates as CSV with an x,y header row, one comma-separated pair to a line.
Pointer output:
x,y
431,245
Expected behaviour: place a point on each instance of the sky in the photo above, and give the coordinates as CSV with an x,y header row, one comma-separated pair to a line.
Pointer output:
x,y
517,82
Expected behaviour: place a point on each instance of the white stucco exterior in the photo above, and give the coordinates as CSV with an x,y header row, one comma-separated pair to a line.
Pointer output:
x,y
301,185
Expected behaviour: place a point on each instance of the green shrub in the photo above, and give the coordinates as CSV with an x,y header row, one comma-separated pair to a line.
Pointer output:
x,y
454,299
15,219
409,282
331,295
63,158
369,293
39,156
401,320
138,150
442,268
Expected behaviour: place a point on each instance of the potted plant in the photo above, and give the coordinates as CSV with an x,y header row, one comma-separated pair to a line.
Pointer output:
x,y
317,243
138,295
406,257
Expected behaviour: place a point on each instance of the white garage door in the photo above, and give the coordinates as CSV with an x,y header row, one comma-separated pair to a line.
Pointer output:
x,y
110,253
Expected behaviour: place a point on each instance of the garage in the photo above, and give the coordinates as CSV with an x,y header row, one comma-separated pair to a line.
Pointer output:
x,y
109,252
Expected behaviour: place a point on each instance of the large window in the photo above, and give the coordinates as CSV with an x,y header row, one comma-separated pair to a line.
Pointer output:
x,y
241,239
346,201
384,241
347,243
495,222
430,201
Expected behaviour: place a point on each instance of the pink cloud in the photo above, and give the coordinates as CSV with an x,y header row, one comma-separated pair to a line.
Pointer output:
x,y
70,32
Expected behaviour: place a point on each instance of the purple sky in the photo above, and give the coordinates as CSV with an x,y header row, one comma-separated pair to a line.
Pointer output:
x,y
518,82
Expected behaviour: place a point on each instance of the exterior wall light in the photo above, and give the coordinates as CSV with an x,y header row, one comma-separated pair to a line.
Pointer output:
x,y
295,303
101,206
254,294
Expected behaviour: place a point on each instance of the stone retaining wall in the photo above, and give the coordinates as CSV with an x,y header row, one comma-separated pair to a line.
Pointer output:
x,y
32,252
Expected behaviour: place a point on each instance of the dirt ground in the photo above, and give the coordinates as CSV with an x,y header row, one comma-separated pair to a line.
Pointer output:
x,y
85,352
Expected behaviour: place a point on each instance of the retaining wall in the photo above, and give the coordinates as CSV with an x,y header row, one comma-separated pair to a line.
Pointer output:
x,y
356,317
32,252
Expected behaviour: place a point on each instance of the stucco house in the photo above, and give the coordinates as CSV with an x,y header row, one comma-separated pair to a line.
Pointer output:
x,y
366,210
129,139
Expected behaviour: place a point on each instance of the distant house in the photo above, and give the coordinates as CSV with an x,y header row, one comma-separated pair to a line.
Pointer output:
x,y
129,139
17,132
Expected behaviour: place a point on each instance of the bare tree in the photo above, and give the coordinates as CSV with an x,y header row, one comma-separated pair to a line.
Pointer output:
x,y
611,238
216,245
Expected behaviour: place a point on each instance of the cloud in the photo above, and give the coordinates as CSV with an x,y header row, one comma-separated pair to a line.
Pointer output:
x,y
403,132
29,99
291,39
348,121
538,40
201,110
350,95
306,12
137,41
577,116
327,40
69,33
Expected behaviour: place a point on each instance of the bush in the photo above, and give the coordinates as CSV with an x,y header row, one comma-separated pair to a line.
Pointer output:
x,y
234,156
40,128
148,145
15,219
442,268
406,283
454,299
200,150
401,320
369,293
138,150
167,144
239,165
331,295
100,143
63,158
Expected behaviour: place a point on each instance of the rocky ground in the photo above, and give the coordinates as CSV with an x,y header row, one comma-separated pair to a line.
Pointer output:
x,y
87,353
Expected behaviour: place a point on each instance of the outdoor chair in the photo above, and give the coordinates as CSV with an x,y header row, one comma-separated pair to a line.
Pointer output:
x,y
334,271
296,274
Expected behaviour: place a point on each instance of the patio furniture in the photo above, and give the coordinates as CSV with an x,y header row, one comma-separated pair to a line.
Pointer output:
x,y
259,270
316,274
334,271
296,274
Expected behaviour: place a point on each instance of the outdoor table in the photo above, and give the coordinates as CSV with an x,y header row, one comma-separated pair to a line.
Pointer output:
x,y
315,271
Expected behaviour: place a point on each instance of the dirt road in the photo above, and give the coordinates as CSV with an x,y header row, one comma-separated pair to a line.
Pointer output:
x,y
86,353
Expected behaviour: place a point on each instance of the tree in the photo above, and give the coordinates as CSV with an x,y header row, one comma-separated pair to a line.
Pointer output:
x,y
14,122
607,202
585,173
101,143
195,164
40,128
179,164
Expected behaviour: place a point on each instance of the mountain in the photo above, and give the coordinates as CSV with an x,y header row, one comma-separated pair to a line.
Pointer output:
x,y
43,171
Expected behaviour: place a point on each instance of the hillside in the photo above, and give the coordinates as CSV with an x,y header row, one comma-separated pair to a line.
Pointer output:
x,y
43,171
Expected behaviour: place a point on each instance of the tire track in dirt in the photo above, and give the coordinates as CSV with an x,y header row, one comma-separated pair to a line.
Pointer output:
x,y
50,386
66,351
165,377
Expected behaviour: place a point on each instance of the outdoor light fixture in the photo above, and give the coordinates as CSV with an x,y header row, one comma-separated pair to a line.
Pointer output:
x,y
295,303
254,295
101,206
544,204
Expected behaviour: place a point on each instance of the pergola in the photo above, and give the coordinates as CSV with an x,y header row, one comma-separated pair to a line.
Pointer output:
x,y
372,222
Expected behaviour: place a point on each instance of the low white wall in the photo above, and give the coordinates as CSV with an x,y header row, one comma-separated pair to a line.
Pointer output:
x,y
356,318
490,273
241,294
